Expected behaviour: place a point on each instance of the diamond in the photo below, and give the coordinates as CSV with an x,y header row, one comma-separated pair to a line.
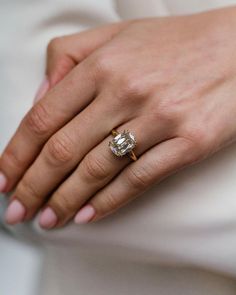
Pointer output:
x,y
122,143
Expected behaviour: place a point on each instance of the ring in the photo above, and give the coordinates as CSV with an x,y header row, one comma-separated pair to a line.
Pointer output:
x,y
123,144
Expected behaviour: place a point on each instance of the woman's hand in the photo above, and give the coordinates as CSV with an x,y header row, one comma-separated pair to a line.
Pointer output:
x,y
170,81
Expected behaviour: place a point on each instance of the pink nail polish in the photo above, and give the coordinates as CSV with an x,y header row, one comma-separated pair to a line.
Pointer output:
x,y
48,218
43,89
85,215
15,212
3,182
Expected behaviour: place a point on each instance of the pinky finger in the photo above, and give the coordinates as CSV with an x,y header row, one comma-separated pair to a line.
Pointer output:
x,y
153,166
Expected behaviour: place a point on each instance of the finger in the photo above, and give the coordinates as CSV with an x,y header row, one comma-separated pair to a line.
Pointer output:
x,y
64,53
63,152
48,115
153,166
96,169
62,103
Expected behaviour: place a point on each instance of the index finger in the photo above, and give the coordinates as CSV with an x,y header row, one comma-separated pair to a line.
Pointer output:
x,y
57,108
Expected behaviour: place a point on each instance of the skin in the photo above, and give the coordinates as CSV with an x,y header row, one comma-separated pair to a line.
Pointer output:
x,y
171,81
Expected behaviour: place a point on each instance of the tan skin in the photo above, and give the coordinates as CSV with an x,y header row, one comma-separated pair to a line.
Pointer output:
x,y
171,81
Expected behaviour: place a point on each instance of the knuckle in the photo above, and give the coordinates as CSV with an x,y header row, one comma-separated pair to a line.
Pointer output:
x,y
54,44
166,110
198,145
201,142
28,191
132,87
59,150
102,63
64,206
37,120
93,168
198,134
11,159
131,92
187,154
138,178
107,203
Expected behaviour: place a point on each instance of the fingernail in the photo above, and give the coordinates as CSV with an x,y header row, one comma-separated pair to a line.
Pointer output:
x,y
85,215
48,218
3,182
43,89
15,212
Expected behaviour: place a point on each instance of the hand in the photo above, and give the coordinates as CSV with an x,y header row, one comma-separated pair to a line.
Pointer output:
x,y
170,81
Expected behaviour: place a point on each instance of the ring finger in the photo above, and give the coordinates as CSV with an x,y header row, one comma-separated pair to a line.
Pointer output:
x,y
96,170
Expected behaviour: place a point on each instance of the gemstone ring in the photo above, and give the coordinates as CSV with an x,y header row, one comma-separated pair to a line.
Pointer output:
x,y
123,144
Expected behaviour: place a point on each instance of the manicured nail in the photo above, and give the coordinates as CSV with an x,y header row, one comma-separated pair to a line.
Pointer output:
x,y
48,218
43,89
85,215
15,213
3,182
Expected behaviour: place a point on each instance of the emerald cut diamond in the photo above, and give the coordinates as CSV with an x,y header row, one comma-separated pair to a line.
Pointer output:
x,y
122,143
